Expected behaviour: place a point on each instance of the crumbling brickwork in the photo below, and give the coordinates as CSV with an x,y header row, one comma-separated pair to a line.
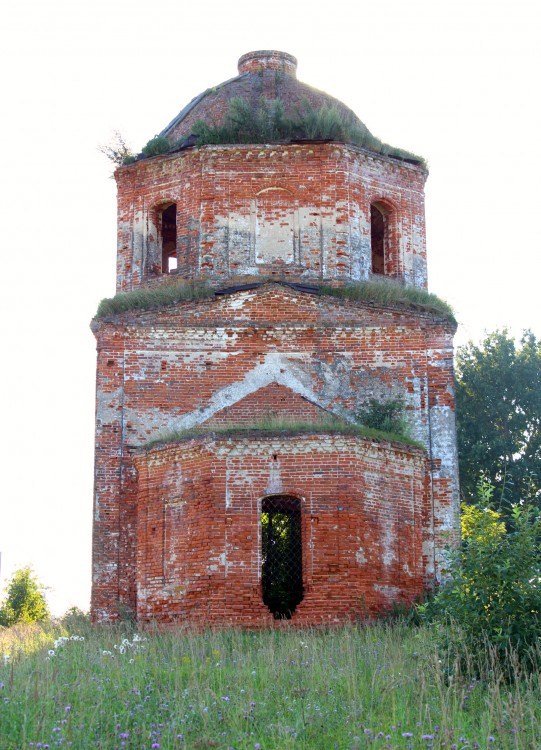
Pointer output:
x,y
178,523
297,210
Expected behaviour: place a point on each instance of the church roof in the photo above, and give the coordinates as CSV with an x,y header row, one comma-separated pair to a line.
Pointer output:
x,y
266,78
267,74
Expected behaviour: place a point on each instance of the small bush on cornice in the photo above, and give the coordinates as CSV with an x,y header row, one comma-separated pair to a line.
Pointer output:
x,y
157,145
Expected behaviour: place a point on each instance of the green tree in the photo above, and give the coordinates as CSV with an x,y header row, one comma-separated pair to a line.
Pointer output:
x,y
25,601
492,597
498,394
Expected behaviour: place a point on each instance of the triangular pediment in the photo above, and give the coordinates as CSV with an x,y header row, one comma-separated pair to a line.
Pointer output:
x,y
273,402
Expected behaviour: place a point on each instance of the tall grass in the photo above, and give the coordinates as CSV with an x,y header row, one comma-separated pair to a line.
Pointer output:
x,y
278,425
377,685
387,291
149,298
376,291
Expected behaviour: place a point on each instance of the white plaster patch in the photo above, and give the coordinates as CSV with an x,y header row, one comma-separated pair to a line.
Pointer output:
x,y
360,556
239,300
388,543
275,484
389,592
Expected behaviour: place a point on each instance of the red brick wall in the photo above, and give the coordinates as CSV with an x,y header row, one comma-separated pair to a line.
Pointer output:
x,y
199,535
318,195
272,401
225,359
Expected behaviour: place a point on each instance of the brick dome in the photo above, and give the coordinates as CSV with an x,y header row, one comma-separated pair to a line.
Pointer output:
x,y
264,73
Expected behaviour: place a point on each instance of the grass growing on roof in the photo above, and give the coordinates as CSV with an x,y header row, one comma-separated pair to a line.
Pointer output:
x,y
384,291
281,426
150,298
268,123
389,292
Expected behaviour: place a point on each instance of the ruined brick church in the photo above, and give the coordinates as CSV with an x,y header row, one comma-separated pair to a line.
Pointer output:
x,y
234,484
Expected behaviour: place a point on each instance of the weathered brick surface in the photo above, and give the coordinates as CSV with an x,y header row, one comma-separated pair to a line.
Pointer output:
x,y
199,526
299,211
239,358
177,528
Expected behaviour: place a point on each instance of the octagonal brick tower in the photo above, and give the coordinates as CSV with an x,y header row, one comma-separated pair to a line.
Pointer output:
x,y
232,483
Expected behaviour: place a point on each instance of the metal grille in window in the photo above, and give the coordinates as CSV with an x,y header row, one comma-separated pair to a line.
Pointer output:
x,y
281,554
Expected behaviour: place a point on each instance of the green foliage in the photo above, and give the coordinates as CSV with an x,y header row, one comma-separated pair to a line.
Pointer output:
x,y
243,123
481,522
390,292
385,292
387,416
157,145
268,123
492,599
153,297
498,394
24,602
277,425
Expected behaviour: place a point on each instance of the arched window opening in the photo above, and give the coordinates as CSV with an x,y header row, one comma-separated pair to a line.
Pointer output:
x,y
378,239
169,238
281,542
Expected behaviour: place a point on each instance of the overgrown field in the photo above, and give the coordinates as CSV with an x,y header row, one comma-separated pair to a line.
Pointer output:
x,y
374,686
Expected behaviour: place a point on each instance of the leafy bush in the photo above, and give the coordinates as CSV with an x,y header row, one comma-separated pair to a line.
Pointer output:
x,y
157,145
387,416
491,603
25,601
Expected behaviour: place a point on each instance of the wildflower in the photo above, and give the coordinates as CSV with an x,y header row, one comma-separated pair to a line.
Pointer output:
x,y
155,744
257,746
407,734
427,737
51,652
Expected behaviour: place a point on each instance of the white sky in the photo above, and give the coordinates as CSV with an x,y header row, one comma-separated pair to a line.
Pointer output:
x,y
457,82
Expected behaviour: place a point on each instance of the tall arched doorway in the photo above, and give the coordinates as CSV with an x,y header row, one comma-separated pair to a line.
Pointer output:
x,y
281,554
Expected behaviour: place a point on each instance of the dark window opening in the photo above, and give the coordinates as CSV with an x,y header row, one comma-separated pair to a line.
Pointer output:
x,y
377,235
169,238
281,571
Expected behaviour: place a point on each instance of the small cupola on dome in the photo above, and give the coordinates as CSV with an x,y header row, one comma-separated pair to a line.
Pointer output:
x,y
268,59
